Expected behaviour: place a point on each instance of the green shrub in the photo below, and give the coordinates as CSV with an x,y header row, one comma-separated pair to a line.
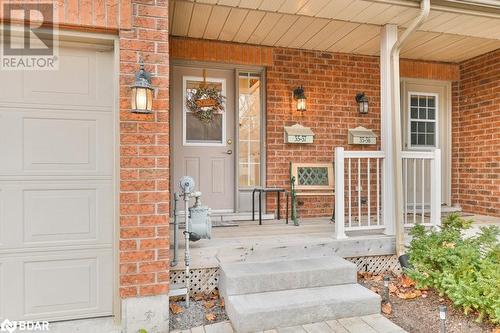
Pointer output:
x,y
467,270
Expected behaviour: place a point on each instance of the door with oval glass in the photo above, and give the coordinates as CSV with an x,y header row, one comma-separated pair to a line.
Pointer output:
x,y
203,133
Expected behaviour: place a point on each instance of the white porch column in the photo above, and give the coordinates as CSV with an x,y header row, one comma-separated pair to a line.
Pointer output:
x,y
339,194
388,37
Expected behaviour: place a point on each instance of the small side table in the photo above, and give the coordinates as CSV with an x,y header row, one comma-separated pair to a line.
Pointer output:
x,y
261,190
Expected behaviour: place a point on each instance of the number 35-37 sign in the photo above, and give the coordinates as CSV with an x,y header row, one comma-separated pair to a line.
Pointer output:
x,y
298,134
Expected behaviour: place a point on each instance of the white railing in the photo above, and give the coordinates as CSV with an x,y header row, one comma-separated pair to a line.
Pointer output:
x,y
359,176
362,172
421,187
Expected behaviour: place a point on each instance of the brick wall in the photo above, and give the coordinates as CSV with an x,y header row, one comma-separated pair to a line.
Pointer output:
x,y
88,15
144,164
330,80
476,153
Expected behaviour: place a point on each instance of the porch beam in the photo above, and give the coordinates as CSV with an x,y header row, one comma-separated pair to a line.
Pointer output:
x,y
388,38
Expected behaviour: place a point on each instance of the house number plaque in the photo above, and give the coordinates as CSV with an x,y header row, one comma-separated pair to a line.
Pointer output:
x,y
298,134
361,136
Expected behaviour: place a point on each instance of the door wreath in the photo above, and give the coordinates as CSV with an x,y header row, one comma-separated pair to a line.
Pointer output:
x,y
205,102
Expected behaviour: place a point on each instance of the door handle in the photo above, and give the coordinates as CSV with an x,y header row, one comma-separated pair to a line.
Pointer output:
x,y
229,152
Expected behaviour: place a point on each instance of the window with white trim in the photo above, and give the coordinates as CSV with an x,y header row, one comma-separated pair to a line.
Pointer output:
x,y
423,120
249,129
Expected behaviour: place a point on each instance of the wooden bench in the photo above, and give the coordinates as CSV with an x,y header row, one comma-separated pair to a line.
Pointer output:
x,y
310,179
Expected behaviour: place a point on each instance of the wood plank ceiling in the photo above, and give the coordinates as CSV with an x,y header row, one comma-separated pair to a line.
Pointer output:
x,y
350,26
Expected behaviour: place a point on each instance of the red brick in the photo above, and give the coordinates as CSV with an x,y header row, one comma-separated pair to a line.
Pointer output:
x,y
156,266
155,289
137,232
153,243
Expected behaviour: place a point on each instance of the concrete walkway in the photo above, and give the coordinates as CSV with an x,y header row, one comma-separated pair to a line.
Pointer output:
x,y
366,324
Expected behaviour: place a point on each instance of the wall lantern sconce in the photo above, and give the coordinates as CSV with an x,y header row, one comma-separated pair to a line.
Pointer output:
x,y
142,92
362,101
300,98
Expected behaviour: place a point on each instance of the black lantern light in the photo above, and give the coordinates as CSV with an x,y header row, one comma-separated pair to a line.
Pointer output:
x,y
142,92
362,101
300,98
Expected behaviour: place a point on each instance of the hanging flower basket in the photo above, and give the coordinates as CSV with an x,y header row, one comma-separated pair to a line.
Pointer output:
x,y
205,102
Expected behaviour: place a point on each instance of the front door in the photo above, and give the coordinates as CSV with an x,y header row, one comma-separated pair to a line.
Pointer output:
x,y
426,126
203,148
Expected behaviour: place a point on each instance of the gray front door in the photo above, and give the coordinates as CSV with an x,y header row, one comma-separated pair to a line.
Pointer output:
x,y
204,149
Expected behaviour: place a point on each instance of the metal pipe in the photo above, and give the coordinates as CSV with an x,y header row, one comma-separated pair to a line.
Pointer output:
x,y
187,256
396,107
176,233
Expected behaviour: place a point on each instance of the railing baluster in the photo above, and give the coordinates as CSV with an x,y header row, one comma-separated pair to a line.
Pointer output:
x,y
378,191
414,190
359,192
369,189
350,191
423,190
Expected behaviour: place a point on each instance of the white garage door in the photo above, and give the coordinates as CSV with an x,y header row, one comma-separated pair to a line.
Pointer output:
x,y
56,188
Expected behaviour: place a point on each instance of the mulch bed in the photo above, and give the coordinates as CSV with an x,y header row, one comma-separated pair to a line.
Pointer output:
x,y
204,309
417,311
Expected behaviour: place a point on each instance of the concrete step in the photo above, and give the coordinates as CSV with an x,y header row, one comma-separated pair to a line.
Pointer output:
x,y
258,277
284,308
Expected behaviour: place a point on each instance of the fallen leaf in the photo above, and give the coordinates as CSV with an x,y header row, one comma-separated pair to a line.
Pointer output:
x,y
175,308
377,278
393,288
210,316
496,330
418,293
449,245
387,308
209,304
406,282
198,296
222,303
406,295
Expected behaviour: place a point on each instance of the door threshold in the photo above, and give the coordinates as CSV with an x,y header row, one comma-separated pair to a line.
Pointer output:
x,y
241,216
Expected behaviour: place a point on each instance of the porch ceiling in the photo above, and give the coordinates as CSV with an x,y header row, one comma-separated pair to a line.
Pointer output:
x,y
350,26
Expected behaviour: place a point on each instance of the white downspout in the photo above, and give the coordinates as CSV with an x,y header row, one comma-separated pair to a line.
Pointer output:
x,y
425,7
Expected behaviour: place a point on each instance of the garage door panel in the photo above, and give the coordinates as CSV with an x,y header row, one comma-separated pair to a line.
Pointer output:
x,y
57,213
2,219
42,142
59,144
57,286
60,285
84,78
